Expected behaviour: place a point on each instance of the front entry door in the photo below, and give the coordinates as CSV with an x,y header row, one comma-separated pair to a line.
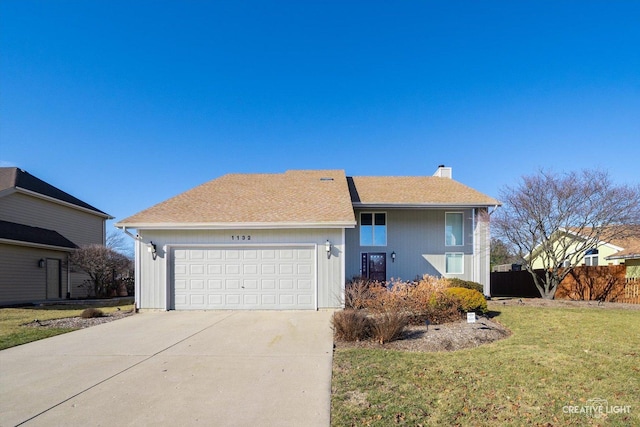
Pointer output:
x,y
53,278
374,266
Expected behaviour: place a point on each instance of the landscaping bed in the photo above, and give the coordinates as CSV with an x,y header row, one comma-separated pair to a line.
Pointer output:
x,y
445,337
79,322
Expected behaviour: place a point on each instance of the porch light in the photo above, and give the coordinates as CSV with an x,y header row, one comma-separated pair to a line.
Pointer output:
x,y
393,256
151,247
41,263
327,247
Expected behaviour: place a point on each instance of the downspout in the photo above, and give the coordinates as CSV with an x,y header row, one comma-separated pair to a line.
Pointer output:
x,y
476,261
137,273
68,276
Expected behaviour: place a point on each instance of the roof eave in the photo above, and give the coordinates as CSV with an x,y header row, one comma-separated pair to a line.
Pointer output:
x,y
380,205
35,245
627,256
233,225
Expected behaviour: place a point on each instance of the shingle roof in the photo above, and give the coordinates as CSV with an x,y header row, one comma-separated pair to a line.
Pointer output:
x,y
416,191
629,240
295,197
28,234
17,178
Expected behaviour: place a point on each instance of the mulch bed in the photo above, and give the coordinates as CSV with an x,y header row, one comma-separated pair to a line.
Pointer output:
x,y
461,335
445,337
79,322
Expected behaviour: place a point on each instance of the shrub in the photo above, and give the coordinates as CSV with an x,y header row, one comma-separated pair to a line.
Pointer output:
x,y
388,325
89,313
359,291
470,300
350,325
442,308
468,284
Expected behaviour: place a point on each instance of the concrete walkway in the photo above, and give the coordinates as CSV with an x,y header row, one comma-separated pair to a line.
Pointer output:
x,y
175,368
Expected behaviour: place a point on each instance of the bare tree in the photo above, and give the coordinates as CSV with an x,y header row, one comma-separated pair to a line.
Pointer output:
x,y
117,241
103,265
556,218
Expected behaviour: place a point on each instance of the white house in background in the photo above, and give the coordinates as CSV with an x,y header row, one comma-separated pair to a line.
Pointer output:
x,y
292,240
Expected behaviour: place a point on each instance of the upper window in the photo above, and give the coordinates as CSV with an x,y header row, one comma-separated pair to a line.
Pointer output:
x,y
373,229
453,229
591,257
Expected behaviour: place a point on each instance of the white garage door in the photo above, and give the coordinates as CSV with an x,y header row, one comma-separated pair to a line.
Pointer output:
x,y
244,278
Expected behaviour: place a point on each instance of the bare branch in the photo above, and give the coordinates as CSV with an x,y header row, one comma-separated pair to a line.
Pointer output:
x,y
556,218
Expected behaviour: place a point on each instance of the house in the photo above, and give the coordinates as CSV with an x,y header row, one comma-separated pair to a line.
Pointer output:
x,y
629,253
292,240
40,225
613,245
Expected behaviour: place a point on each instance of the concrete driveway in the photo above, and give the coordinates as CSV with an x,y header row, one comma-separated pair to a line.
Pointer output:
x,y
175,368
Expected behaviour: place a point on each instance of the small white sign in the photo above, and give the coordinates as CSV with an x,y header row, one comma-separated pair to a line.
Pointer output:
x,y
471,317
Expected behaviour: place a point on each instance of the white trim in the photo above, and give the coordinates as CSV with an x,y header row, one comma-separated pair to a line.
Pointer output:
x,y
315,276
343,269
233,225
36,245
382,205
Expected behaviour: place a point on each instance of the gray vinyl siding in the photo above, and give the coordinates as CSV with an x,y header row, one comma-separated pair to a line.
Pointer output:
x,y
153,276
21,280
81,227
418,239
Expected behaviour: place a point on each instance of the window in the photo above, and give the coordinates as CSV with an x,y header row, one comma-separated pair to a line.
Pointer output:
x,y
454,263
373,229
591,257
453,229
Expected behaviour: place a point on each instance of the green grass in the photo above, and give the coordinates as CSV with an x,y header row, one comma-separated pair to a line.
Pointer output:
x,y
555,358
12,331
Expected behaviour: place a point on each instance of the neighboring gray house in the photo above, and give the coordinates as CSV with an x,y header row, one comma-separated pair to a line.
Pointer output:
x,y
39,226
292,240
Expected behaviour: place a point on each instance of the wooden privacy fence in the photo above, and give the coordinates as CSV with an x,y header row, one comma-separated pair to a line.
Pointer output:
x,y
605,283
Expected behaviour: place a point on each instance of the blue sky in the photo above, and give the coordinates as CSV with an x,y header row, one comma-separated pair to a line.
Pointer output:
x,y
127,103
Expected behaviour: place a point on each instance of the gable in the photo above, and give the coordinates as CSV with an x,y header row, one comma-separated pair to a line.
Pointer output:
x,y
19,180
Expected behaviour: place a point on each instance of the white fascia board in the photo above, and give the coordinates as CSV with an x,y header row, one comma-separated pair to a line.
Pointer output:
x,y
627,256
35,245
420,205
62,202
600,243
233,225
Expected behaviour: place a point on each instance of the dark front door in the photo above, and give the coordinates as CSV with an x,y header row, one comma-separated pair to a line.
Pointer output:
x,y
53,278
374,266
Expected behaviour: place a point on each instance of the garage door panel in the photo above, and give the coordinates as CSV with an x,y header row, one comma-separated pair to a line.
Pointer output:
x,y
267,284
244,278
250,269
196,269
196,284
232,284
213,269
304,284
286,268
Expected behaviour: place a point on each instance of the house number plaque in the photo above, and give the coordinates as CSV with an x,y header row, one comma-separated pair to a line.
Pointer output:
x,y
246,237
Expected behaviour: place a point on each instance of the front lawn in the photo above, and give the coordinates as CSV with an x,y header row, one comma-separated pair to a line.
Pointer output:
x,y
557,362
12,331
